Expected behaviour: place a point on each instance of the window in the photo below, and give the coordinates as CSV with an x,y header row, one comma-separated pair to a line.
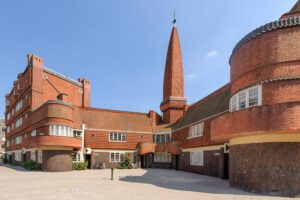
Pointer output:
x,y
117,157
233,103
13,126
162,157
161,138
33,155
242,100
19,122
117,137
40,157
196,158
196,130
8,129
61,130
19,139
8,143
8,116
18,156
246,98
13,111
19,106
33,133
253,96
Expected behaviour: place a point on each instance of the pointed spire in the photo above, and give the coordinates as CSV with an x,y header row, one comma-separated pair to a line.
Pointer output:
x,y
173,89
173,78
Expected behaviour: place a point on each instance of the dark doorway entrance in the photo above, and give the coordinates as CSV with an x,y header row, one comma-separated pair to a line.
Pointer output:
x,y
10,159
143,161
88,160
24,157
176,162
226,166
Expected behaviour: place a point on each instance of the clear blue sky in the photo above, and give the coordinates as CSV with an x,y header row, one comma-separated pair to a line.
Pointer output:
x,y
120,46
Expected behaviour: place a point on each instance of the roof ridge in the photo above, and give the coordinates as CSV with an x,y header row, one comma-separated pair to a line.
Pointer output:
x,y
111,110
216,92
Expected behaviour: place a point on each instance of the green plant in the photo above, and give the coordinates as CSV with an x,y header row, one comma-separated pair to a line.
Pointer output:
x,y
5,160
126,164
31,165
80,166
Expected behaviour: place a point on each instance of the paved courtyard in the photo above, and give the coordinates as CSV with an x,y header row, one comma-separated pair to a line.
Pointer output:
x,y
138,184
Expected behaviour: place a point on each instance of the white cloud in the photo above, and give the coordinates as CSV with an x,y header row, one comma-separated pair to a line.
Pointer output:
x,y
212,53
191,76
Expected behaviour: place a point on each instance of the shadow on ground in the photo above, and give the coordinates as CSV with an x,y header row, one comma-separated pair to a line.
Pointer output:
x,y
178,180
17,168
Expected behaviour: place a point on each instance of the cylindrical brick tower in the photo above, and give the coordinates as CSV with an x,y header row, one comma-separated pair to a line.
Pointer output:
x,y
265,109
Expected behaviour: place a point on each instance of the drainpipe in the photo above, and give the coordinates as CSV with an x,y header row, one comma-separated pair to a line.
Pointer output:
x,y
82,142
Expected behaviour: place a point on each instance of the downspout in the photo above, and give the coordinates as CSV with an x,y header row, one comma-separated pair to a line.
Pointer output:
x,y
82,143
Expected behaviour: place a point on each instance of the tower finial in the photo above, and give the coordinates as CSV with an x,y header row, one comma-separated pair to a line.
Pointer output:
x,y
174,19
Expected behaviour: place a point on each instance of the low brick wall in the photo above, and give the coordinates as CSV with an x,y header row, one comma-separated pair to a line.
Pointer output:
x,y
267,168
57,160
213,164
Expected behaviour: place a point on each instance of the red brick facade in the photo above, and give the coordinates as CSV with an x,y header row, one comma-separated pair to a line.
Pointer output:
x,y
258,107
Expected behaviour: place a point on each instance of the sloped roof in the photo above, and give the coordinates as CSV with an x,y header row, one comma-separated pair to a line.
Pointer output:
x,y
209,106
115,120
162,128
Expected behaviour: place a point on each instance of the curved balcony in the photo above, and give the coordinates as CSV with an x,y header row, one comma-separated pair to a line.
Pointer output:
x,y
59,141
268,119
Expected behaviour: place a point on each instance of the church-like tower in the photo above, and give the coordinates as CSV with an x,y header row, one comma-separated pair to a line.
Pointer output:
x,y
174,101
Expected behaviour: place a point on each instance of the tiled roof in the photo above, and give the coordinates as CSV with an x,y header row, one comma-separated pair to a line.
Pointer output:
x,y
211,105
115,120
162,128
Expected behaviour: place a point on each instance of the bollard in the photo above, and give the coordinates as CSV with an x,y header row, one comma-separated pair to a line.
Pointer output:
x,y
112,173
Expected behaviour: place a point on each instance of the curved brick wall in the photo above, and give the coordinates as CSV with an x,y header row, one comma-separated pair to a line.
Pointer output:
x,y
268,168
258,59
278,118
57,160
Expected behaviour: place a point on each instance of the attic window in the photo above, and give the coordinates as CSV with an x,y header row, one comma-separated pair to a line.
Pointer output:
x,y
196,130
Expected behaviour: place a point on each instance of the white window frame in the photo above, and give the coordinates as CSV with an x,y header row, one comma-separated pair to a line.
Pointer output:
x,y
116,157
117,137
33,155
33,133
162,138
196,130
162,157
235,101
60,130
40,156
18,156
197,158
19,139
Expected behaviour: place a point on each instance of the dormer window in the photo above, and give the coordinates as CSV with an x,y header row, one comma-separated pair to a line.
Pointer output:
x,y
196,130
117,137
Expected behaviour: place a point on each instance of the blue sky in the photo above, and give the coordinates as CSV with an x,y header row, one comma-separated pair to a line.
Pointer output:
x,y
120,46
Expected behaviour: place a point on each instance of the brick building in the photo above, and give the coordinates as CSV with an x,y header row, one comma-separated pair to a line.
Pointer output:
x,y
2,137
247,131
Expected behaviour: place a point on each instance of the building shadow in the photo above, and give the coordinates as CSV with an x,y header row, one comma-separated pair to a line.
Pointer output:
x,y
16,168
185,181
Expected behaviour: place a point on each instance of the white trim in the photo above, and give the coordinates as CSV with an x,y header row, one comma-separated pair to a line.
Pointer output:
x,y
112,150
109,130
205,148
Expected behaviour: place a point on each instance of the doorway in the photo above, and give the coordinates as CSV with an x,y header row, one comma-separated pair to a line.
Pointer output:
x,y
226,166
143,161
177,162
24,157
88,160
